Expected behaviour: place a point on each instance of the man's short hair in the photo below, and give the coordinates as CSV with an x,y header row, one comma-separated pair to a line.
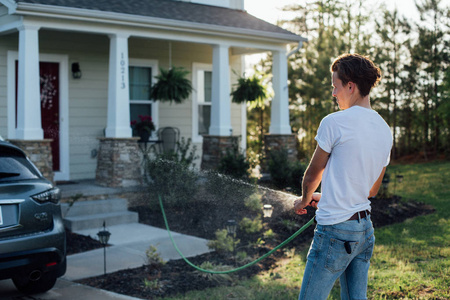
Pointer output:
x,y
358,69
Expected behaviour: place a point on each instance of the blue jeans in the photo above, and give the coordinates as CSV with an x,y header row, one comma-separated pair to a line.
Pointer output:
x,y
328,260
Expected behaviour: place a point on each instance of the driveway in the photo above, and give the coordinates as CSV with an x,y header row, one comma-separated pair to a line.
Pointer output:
x,y
63,290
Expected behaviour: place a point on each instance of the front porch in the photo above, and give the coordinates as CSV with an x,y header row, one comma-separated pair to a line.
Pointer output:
x,y
97,97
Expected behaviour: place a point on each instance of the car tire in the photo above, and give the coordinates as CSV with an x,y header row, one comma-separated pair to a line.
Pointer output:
x,y
43,284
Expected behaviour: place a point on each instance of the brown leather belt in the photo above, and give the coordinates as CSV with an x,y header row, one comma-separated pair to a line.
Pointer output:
x,y
362,215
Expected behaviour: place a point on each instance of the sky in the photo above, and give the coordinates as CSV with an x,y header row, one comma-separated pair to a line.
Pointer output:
x,y
270,10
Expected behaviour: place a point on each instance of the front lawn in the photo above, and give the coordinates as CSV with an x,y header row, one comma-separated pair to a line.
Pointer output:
x,y
411,259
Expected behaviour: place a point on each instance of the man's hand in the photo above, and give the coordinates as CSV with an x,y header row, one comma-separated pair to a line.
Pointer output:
x,y
299,204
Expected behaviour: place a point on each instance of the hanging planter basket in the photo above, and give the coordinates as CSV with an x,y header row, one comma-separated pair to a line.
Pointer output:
x,y
172,86
248,89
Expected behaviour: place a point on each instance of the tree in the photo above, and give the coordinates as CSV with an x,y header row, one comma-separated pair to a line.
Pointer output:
x,y
333,28
431,51
394,34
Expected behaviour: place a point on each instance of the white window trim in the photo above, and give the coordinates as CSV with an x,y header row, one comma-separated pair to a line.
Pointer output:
x,y
151,63
63,60
196,138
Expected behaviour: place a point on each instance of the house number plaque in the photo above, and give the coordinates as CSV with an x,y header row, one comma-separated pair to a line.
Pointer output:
x,y
122,70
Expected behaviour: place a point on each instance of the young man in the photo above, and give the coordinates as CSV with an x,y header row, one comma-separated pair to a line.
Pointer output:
x,y
350,160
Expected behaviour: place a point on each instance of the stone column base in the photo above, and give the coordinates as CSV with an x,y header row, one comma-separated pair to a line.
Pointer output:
x,y
40,153
278,142
119,163
214,148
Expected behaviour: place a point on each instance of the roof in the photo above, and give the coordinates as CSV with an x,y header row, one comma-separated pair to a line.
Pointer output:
x,y
174,10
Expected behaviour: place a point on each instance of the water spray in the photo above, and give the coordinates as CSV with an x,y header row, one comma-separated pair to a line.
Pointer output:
x,y
239,268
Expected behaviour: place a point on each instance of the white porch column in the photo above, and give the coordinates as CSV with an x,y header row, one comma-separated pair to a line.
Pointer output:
x,y
221,101
118,119
29,126
279,123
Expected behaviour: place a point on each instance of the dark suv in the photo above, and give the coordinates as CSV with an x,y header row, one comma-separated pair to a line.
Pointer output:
x,y
32,235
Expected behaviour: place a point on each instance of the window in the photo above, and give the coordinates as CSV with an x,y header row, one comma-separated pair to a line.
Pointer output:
x,y
204,104
202,77
141,77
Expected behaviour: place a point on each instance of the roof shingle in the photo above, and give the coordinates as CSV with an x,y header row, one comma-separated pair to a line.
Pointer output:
x,y
173,10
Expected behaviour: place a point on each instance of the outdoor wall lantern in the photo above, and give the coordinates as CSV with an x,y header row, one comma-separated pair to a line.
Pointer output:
x,y
231,227
103,237
267,210
76,72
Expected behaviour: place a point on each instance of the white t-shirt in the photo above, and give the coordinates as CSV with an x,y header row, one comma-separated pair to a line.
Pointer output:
x,y
359,142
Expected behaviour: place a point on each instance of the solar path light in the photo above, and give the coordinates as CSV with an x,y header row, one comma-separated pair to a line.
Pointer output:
x,y
103,237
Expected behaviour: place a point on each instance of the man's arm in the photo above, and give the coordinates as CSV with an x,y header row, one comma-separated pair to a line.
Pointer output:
x,y
376,186
312,178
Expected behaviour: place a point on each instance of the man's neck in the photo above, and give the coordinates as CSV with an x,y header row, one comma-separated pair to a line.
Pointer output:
x,y
363,102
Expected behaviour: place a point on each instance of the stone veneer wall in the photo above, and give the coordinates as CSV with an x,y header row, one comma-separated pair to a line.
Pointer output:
x,y
40,153
275,142
214,148
119,162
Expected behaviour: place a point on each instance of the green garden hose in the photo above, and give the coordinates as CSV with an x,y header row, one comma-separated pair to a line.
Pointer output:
x,y
236,269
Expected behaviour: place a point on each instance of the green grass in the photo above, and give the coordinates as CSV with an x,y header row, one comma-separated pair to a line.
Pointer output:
x,y
411,259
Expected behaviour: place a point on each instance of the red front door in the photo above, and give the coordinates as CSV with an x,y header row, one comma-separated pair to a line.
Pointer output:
x,y
49,82
49,77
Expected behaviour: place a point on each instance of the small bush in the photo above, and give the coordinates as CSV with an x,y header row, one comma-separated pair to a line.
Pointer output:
x,y
175,182
223,242
153,257
152,284
285,173
253,202
269,234
250,226
234,163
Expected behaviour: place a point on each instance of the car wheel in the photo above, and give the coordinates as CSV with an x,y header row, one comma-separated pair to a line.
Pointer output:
x,y
41,285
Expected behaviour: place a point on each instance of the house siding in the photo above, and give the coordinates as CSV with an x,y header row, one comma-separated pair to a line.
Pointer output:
x,y
7,42
88,96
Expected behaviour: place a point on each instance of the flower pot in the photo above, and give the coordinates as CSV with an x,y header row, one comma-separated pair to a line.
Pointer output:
x,y
144,135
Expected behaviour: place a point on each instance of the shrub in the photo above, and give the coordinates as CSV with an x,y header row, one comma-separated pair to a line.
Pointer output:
x,y
223,242
234,163
283,172
153,257
253,202
250,226
174,181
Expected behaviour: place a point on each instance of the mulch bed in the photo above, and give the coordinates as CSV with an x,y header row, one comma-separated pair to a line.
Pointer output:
x,y
155,281
77,243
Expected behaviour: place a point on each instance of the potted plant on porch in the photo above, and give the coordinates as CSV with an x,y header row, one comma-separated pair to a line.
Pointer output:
x,y
143,128
172,86
248,89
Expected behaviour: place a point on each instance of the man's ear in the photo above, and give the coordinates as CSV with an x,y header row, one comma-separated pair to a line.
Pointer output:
x,y
351,86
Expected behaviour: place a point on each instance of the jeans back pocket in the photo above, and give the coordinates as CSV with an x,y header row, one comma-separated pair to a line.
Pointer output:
x,y
337,256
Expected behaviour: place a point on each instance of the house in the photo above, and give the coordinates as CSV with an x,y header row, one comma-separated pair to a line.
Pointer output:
x,y
73,74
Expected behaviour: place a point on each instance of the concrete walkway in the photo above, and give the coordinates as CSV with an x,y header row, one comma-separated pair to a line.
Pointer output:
x,y
129,242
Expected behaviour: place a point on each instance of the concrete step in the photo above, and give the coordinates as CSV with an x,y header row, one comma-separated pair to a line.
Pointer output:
x,y
96,221
91,214
94,207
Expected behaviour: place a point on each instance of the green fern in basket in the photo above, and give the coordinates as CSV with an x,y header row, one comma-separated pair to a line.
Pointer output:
x,y
172,86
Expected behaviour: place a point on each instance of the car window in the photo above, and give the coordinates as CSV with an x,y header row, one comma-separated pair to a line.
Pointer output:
x,y
15,167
